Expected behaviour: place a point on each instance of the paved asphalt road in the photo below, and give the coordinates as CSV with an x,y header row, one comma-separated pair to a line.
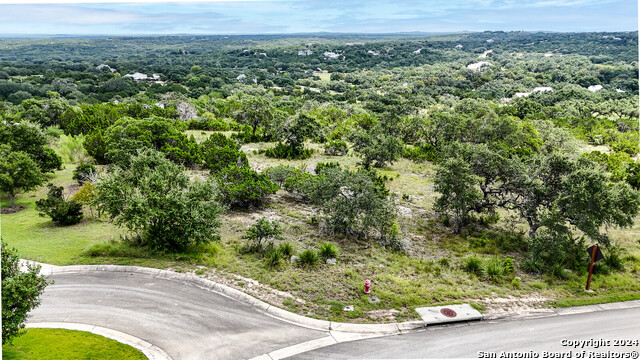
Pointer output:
x,y
184,320
465,341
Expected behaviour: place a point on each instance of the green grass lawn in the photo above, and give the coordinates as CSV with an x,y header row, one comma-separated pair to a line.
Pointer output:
x,y
50,344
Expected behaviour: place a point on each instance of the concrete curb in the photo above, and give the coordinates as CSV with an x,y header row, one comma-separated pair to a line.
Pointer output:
x,y
316,324
151,351
303,321
541,313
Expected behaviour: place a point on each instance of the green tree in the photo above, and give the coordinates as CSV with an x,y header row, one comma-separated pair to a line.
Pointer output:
x,y
20,293
261,235
458,186
376,147
154,197
18,172
293,132
252,110
31,140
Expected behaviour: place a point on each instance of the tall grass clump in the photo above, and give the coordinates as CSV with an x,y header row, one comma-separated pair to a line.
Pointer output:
x,y
328,250
473,265
71,149
308,258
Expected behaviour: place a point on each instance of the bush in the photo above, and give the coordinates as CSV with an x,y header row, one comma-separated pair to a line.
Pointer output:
x,y
473,265
613,260
86,195
84,172
243,187
128,136
308,258
376,148
328,251
279,174
336,148
352,203
61,211
507,265
260,236
282,151
219,152
548,248
321,166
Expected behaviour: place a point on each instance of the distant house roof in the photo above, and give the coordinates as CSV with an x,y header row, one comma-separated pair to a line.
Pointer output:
x,y
459,46
137,76
535,90
478,66
331,55
542,89
417,51
594,88
105,66
305,52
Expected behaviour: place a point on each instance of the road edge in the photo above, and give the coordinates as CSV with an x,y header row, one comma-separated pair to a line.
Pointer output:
x,y
316,324
152,352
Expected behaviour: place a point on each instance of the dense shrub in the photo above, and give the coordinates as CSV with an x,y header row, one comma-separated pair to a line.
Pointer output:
x,y
274,258
322,166
552,247
352,203
376,148
127,136
62,211
336,148
282,151
279,174
495,269
219,152
243,187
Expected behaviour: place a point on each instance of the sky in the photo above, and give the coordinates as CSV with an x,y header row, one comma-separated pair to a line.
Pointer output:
x,y
157,17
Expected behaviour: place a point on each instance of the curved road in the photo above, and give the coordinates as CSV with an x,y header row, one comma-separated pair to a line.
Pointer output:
x,y
189,322
524,336
185,321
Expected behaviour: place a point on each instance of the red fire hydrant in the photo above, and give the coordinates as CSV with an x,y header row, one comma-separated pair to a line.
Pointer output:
x,y
367,286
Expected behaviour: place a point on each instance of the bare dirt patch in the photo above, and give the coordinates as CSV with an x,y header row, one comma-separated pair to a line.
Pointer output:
x,y
12,209
511,305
